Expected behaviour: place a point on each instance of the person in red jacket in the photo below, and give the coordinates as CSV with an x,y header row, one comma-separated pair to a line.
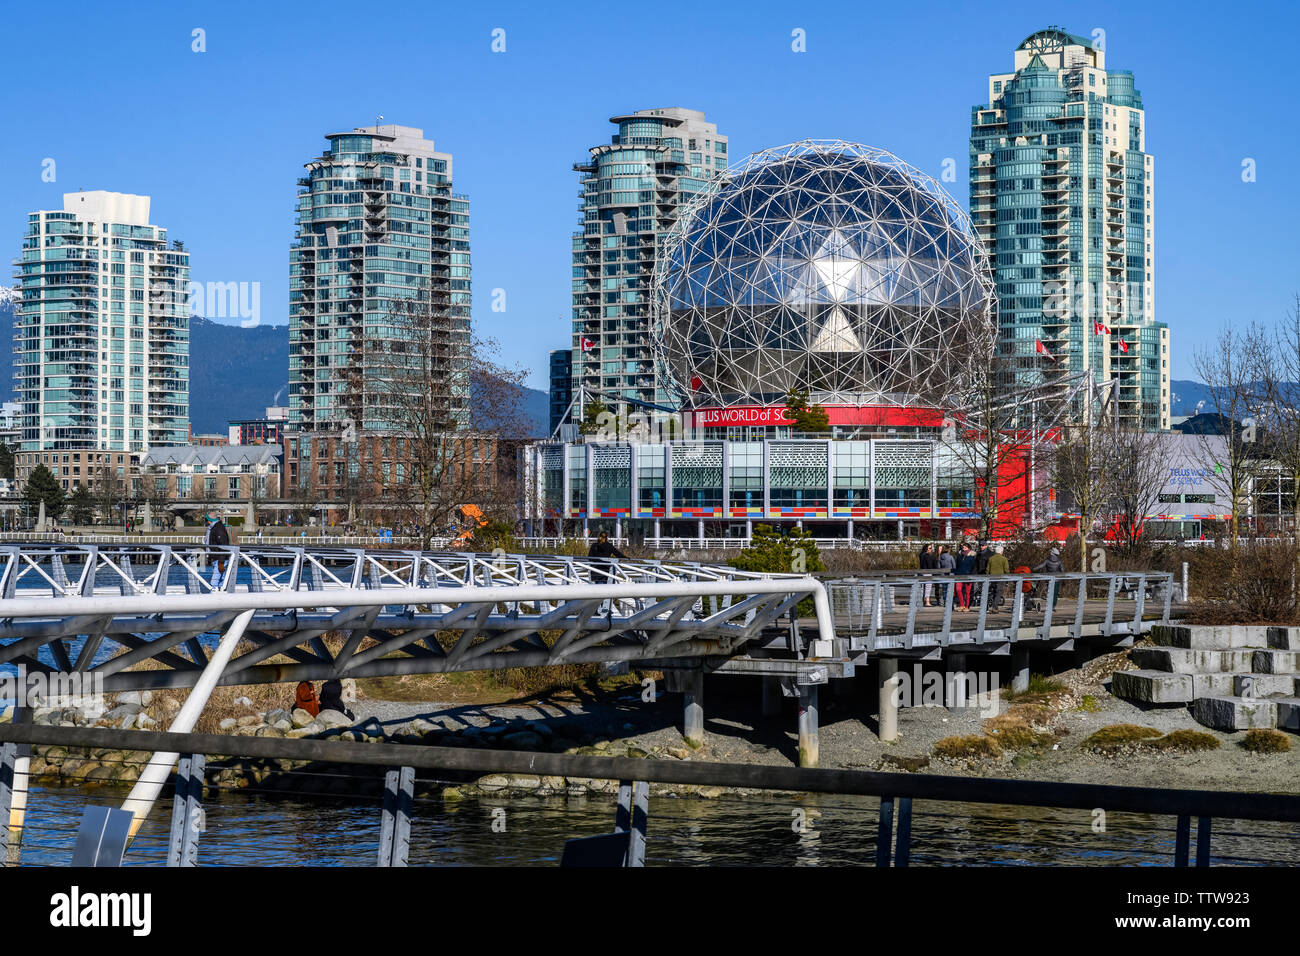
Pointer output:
x,y
305,698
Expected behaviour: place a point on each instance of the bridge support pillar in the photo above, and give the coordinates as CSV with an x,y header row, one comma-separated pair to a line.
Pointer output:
x,y
771,696
699,530
618,527
957,693
1019,671
849,527
693,716
656,532
809,750
887,712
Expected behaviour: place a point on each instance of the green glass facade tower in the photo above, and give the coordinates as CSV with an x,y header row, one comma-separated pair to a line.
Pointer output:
x,y
1062,197
101,333
377,224
632,190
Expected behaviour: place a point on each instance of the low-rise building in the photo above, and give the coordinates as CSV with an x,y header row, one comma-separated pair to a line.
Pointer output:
x,y
210,473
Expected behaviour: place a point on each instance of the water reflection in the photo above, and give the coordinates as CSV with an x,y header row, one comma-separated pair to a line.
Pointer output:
x,y
249,830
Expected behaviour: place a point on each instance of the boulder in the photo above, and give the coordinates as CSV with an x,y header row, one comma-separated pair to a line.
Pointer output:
x,y
1153,687
332,719
248,720
523,740
301,718
277,714
493,782
1235,713
227,723
144,722
525,781
123,710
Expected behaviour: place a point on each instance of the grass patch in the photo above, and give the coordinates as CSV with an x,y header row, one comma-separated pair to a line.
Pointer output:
x,y
967,747
1266,741
1022,727
1187,741
1088,704
1118,736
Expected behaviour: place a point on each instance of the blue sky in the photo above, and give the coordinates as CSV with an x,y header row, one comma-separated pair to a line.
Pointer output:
x,y
115,95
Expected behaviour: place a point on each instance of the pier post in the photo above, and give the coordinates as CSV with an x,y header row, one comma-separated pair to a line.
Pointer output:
x,y
187,812
809,754
1019,671
15,761
693,717
887,680
771,696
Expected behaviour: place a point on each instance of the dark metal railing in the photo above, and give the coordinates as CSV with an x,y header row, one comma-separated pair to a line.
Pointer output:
x,y
896,791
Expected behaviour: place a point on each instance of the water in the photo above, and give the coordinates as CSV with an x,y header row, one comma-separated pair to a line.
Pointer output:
x,y
245,829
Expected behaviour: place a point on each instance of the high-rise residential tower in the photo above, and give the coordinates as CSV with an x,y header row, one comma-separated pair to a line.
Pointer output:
x,y
1062,195
101,333
377,226
632,190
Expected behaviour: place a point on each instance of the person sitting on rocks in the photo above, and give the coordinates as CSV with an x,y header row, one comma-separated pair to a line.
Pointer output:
x,y
331,698
305,698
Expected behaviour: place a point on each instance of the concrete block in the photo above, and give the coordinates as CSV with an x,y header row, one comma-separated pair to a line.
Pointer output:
x,y
1213,685
1284,638
1263,685
1181,660
1152,687
1235,713
1210,637
1276,662
1288,714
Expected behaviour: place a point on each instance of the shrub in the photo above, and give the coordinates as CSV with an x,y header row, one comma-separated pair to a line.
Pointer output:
x,y
1266,741
1115,737
967,747
1187,740
773,551
1248,585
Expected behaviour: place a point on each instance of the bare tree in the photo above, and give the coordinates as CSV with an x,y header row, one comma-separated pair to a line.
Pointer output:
x,y
988,439
445,398
1134,466
1281,435
1235,368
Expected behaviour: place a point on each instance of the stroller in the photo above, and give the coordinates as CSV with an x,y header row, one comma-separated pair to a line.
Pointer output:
x,y
1031,600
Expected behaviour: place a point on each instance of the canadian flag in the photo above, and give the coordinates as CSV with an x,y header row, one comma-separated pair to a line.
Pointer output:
x,y
1123,346
696,383
1042,349
586,344
1100,328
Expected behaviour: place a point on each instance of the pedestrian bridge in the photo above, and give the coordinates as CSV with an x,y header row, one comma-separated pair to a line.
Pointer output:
x,y
106,611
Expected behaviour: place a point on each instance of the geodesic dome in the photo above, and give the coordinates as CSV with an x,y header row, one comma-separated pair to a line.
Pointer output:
x,y
827,266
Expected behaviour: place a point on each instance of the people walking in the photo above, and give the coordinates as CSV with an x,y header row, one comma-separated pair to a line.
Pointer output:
x,y
217,536
945,563
1052,564
965,566
997,564
927,561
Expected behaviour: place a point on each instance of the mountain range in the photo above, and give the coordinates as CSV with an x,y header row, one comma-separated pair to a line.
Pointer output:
x,y
235,373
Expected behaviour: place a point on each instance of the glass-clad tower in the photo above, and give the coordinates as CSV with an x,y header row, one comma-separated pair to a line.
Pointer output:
x,y
101,333
377,225
632,189
1062,196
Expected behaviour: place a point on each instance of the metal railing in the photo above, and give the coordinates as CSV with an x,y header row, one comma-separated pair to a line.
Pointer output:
x,y
399,763
939,608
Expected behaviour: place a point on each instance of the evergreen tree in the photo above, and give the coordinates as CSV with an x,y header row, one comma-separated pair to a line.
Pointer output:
x,y
81,505
790,551
6,461
806,417
591,423
43,486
